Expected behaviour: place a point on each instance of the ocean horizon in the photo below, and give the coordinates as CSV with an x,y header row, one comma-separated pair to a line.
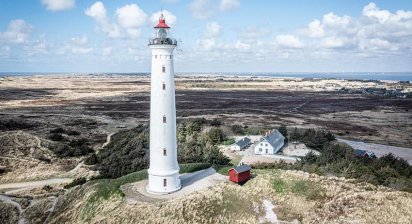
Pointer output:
x,y
387,76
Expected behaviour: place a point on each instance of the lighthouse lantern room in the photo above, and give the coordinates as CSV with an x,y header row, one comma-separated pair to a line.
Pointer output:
x,y
164,169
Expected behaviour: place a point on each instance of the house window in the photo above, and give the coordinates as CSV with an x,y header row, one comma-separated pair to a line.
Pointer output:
x,y
164,86
266,151
170,56
164,152
164,119
164,182
163,69
155,56
266,144
260,149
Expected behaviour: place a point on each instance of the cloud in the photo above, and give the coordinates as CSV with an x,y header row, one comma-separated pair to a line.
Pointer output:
x,y
58,5
76,45
170,18
98,12
17,32
226,5
107,51
131,17
206,44
4,51
201,9
289,41
254,32
213,29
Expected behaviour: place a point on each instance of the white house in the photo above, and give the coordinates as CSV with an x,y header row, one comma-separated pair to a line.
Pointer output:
x,y
271,143
241,144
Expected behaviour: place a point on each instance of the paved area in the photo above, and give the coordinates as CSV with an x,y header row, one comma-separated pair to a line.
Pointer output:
x,y
191,182
298,149
380,150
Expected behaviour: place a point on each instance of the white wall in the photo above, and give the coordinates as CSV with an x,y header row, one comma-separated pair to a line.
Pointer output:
x,y
163,135
234,147
265,147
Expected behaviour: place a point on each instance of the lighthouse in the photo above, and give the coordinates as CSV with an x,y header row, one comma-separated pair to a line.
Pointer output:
x,y
164,169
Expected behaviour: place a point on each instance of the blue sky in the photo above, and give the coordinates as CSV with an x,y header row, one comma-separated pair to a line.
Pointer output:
x,y
216,35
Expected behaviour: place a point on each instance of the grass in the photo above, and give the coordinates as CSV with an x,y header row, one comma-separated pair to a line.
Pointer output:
x,y
222,169
279,185
106,188
228,141
193,167
305,188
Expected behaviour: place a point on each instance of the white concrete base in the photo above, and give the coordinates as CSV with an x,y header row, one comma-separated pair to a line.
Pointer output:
x,y
157,185
191,182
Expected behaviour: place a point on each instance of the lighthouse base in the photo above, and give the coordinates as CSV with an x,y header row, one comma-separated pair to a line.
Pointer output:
x,y
163,183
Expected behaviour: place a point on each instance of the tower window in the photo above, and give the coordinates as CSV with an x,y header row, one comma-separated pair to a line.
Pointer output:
x,y
164,119
163,69
164,152
164,182
164,86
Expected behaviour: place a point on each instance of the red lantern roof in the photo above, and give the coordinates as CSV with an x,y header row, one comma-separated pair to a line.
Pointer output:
x,y
162,23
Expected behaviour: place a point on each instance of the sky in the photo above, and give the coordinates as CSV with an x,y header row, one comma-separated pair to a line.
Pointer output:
x,y
214,35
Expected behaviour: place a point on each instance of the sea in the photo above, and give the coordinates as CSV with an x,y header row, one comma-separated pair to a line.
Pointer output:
x,y
390,76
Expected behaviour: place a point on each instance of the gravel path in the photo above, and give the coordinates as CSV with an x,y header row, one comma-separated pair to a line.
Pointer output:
x,y
380,150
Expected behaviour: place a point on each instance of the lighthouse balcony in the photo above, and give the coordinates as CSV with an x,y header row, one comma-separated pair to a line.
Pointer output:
x,y
162,41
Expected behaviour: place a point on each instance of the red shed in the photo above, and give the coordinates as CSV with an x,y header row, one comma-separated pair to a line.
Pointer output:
x,y
240,174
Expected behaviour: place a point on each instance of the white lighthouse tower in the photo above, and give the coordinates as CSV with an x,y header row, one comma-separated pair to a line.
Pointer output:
x,y
164,169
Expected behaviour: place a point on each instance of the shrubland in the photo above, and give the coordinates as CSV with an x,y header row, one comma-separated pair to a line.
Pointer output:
x,y
128,150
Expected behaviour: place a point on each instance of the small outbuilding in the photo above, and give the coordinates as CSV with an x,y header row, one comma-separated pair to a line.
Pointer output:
x,y
240,174
241,144
359,153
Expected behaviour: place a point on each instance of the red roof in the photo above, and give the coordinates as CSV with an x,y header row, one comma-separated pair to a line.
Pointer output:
x,y
162,23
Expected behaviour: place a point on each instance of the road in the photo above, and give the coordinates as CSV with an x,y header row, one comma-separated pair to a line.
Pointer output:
x,y
380,150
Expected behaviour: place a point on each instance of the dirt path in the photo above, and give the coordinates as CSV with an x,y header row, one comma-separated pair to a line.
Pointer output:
x,y
16,187
380,150
8,200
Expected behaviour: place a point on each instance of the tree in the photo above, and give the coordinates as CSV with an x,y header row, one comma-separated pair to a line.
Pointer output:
x,y
216,135
237,129
295,135
284,131
215,122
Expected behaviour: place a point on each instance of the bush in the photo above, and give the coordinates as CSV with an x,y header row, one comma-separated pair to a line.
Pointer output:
x,y
127,152
229,141
91,160
56,137
75,148
215,122
193,167
254,131
57,130
237,129
72,133
75,182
